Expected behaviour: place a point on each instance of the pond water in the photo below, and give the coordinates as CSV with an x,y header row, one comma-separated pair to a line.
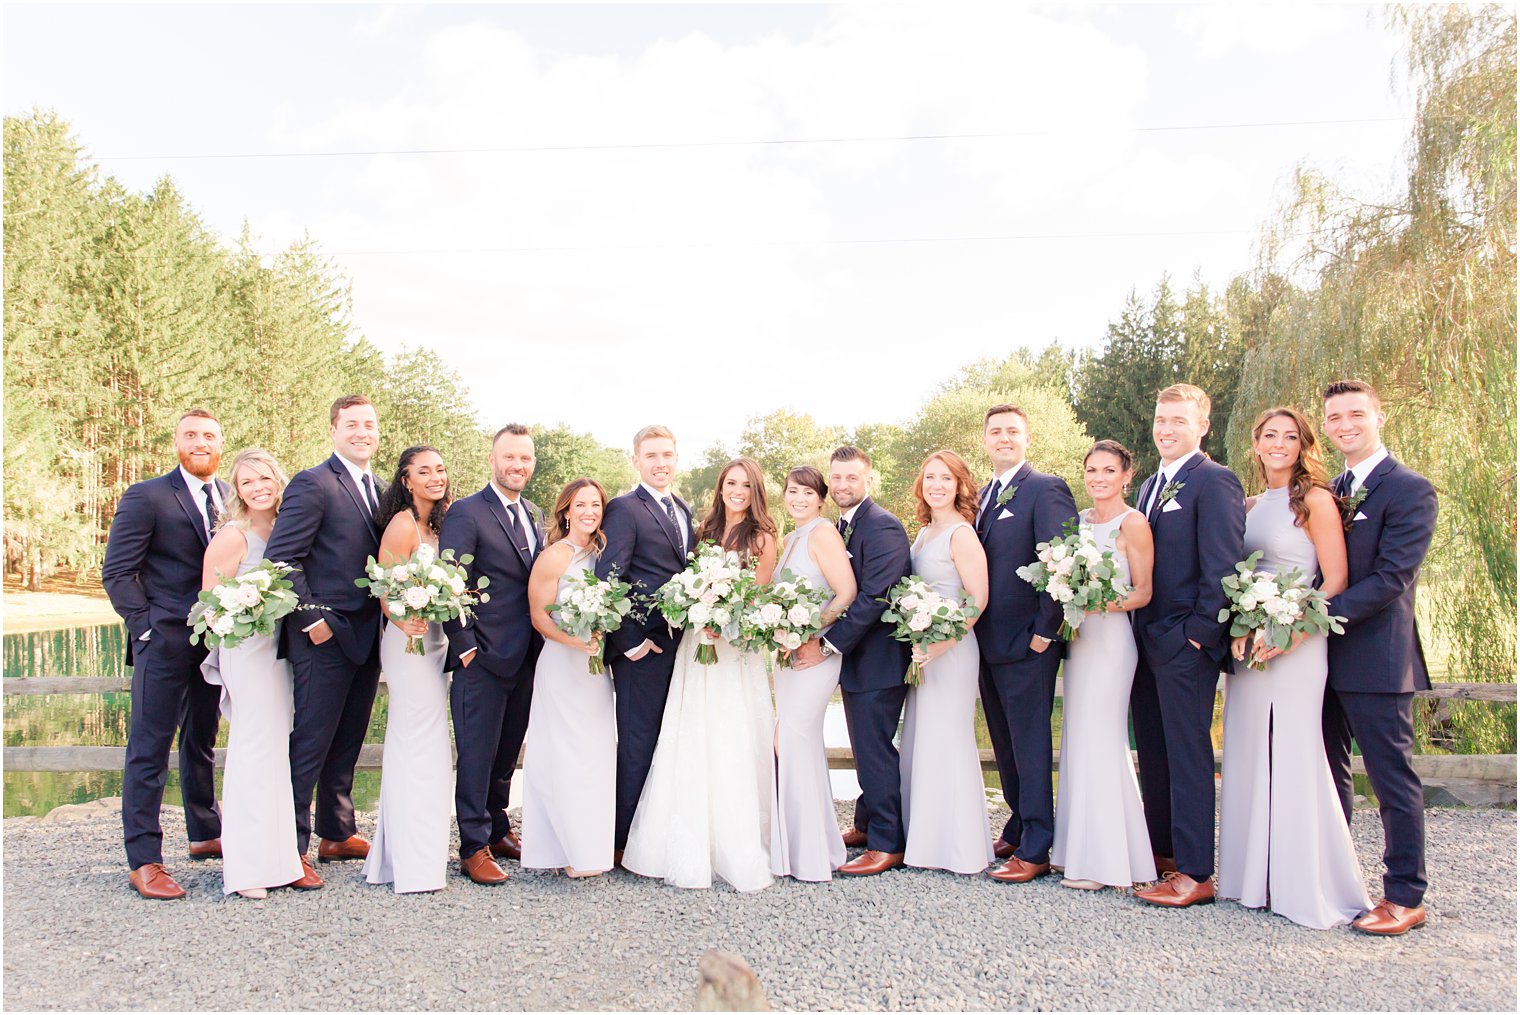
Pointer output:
x,y
103,720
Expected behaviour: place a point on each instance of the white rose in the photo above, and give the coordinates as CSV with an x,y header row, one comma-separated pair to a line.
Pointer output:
x,y
1247,602
909,602
723,588
426,554
416,597
699,614
770,614
437,574
398,609
399,573
799,615
721,616
708,598
259,578
375,571
1066,565
1058,552
1264,589
457,585
227,597
249,595
789,639
222,626
920,622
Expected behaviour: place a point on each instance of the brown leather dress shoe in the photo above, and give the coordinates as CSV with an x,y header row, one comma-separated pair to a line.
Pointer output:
x,y
1389,919
872,861
209,849
1164,864
481,869
1017,871
508,847
1177,891
308,881
1002,850
355,847
853,838
152,881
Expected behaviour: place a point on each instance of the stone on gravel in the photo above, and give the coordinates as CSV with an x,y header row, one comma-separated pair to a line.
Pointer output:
x,y
728,984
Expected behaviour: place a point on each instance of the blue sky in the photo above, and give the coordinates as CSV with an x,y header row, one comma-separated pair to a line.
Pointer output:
x,y
699,284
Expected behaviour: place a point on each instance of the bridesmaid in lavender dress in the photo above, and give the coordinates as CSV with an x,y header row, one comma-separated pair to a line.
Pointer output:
x,y
571,763
1283,840
1101,837
944,803
805,842
258,825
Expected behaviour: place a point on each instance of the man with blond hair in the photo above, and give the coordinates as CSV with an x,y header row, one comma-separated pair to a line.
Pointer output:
x,y
1196,510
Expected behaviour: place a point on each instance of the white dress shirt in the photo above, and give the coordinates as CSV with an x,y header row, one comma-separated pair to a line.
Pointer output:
x,y
680,515
1167,474
1361,470
357,473
516,507
197,486
997,484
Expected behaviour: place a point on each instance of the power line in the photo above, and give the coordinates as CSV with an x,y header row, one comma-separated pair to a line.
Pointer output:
x,y
528,149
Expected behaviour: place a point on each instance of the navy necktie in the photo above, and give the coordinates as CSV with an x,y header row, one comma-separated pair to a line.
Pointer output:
x,y
670,511
1343,484
211,515
370,500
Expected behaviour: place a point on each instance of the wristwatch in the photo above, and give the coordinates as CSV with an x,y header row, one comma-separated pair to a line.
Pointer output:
x,y
826,648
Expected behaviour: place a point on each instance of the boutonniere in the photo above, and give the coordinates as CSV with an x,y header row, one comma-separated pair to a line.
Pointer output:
x,y
849,530
1350,504
1170,491
1006,496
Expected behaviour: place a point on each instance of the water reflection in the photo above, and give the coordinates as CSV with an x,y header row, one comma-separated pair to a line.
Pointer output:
x,y
96,651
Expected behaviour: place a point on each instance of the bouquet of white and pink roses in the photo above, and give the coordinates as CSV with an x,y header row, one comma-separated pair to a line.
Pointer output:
x,y
242,606
924,617
711,593
1276,607
783,615
588,607
1077,574
426,586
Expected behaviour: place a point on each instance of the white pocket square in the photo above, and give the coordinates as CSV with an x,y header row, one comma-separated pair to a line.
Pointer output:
x,y
1170,505
1005,513
1359,517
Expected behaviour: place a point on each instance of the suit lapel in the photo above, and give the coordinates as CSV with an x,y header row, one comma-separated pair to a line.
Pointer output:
x,y
347,482
494,504
1143,497
187,501
1379,474
663,520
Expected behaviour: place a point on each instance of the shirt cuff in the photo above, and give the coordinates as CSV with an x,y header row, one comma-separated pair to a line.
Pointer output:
x,y
467,653
633,651
308,629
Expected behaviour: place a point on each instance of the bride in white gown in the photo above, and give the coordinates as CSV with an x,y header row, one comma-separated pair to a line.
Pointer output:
x,y
709,802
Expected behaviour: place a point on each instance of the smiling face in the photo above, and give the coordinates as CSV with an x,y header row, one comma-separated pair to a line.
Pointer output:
x,y
849,482
1105,476
802,503
736,491
198,443
655,462
1005,438
512,462
1178,429
1278,446
356,433
939,485
427,479
585,513
1354,422
256,487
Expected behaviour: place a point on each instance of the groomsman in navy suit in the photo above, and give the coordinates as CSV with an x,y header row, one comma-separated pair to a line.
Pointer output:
x,y
493,655
871,675
1378,664
649,532
326,530
152,574
1019,639
1197,513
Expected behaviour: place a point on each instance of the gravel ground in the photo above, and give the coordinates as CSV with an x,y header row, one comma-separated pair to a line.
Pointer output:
x,y
76,937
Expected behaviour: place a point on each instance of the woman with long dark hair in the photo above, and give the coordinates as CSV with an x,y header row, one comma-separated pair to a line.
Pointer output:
x,y
1283,840
708,804
411,846
569,772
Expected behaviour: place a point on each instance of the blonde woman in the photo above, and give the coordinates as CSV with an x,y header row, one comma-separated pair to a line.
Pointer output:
x,y
258,826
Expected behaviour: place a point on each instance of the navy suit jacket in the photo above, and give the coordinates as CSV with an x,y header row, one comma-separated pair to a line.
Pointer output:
x,y
880,557
644,547
1380,651
1036,513
501,631
326,534
154,557
1198,544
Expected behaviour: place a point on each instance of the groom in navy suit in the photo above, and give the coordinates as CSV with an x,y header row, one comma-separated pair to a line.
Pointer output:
x,y
326,530
493,655
1019,639
871,675
152,573
1378,664
1197,514
649,532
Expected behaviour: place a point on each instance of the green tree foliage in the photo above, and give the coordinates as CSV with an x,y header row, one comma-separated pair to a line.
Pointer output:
x,y
564,455
1416,294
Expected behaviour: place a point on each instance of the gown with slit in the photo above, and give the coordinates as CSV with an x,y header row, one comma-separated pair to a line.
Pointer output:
x,y
1100,824
1283,840
708,805
411,847
944,802
805,842
258,824
570,766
